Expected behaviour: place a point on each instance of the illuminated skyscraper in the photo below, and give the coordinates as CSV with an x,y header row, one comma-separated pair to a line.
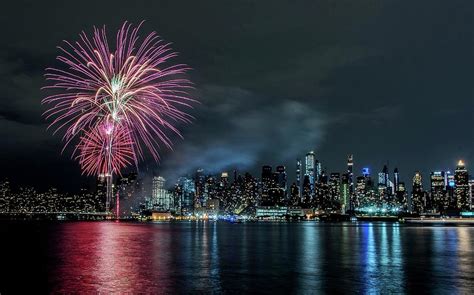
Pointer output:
x,y
199,184
298,176
450,185
294,195
461,188
281,177
402,197
437,201
345,196
471,191
184,196
396,179
306,193
417,196
383,177
350,175
361,198
224,179
318,171
334,189
267,185
310,163
160,196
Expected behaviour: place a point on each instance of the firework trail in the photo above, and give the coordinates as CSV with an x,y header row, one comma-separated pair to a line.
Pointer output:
x,y
119,103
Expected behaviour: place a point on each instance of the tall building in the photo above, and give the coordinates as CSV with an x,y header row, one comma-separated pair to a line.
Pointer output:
x,y
401,196
361,198
200,185
345,195
281,177
310,163
224,179
450,185
186,199
383,177
461,187
437,200
294,195
306,196
471,191
322,198
350,175
317,170
417,195
161,198
298,176
334,189
396,179
267,185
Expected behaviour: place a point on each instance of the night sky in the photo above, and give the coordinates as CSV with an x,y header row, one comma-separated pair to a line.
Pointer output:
x,y
384,80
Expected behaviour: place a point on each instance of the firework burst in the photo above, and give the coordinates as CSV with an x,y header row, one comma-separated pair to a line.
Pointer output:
x,y
106,149
131,86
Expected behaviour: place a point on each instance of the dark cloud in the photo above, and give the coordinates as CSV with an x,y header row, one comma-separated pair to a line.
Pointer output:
x,y
236,128
384,80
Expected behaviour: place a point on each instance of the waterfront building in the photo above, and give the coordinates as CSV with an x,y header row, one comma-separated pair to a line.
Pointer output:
x,y
334,190
345,195
271,212
350,175
298,176
417,196
461,187
199,185
437,200
310,163
162,199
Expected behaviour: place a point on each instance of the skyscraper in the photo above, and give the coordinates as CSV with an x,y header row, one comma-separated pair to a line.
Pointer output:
x,y
334,189
383,177
310,163
471,191
417,196
437,200
396,179
199,184
184,196
317,170
298,176
350,175
461,187
282,178
402,197
267,184
450,185
345,196
306,195
160,196
294,195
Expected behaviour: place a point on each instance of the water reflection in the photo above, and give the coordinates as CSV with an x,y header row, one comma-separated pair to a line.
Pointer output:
x,y
309,262
205,257
381,258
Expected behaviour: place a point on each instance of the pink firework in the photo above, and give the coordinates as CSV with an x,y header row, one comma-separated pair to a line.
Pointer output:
x,y
105,150
131,87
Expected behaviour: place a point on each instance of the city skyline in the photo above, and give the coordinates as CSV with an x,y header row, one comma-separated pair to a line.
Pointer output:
x,y
269,194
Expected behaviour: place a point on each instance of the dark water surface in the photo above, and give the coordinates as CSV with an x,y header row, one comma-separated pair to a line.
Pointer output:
x,y
205,257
